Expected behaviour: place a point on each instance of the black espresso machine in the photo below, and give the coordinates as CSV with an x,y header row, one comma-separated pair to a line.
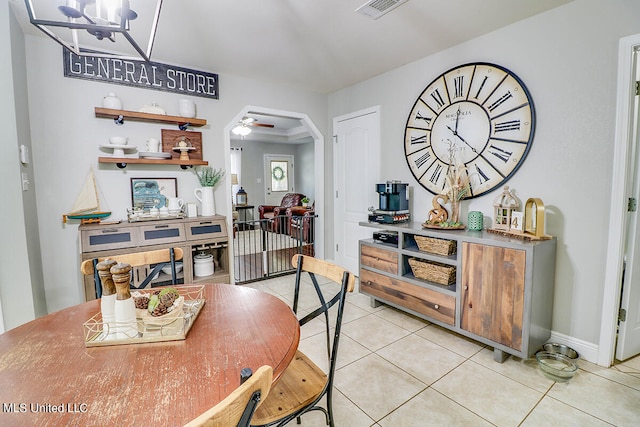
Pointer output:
x,y
393,201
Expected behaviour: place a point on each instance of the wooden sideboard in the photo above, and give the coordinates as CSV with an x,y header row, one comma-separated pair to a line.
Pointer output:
x,y
503,290
194,235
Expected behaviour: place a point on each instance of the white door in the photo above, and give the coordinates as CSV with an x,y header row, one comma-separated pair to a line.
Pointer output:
x,y
629,329
356,159
278,178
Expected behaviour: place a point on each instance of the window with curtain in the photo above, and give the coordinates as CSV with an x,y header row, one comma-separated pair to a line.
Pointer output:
x,y
236,169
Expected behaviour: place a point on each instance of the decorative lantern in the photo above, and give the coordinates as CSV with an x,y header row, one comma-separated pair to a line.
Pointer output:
x,y
534,218
241,197
504,206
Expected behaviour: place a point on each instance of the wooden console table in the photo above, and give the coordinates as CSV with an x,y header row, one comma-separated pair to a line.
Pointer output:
x,y
501,295
193,235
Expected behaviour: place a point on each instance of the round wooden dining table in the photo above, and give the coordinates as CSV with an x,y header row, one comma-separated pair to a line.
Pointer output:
x,y
49,377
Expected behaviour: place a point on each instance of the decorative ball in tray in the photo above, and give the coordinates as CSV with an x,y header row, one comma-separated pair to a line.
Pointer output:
x,y
159,308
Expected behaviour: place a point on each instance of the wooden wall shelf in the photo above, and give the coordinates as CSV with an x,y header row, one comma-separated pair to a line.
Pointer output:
x,y
119,116
122,162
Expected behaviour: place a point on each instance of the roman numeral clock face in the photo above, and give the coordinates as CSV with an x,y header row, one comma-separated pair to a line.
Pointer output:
x,y
485,113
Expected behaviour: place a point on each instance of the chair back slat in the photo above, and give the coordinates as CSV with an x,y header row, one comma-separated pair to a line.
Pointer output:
x,y
323,268
136,259
159,257
237,409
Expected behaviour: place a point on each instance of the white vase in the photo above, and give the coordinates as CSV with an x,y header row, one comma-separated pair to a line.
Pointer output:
x,y
205,197
187,108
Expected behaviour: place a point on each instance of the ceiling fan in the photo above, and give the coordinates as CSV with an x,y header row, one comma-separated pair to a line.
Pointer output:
x,y
243,126
250,121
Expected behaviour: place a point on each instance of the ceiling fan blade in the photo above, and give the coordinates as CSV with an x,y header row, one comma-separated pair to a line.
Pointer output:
x,y
264,125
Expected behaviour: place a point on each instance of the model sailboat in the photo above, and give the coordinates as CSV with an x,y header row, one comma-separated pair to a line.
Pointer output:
x,y
87,205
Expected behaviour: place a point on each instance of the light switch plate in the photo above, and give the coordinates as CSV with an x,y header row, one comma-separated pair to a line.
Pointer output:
x,y
24,154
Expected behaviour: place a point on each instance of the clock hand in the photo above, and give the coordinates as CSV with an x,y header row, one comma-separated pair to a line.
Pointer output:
x,y
457,119
455,133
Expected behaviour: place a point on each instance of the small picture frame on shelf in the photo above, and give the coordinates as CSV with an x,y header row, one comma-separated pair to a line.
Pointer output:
x,y
517,221
147,193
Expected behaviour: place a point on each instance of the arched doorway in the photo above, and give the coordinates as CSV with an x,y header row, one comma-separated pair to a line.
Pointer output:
x,y
318,151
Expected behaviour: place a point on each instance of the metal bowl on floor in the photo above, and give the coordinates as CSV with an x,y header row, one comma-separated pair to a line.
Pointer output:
x,y
562,349
556,366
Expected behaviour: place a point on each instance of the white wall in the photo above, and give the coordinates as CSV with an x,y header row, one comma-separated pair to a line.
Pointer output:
x,y
66,136
305,170
567,57
21,285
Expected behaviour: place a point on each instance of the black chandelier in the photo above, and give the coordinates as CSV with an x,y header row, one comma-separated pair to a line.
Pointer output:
x,y
99,27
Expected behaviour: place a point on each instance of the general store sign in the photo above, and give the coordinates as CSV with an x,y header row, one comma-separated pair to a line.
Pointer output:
x,y
147,75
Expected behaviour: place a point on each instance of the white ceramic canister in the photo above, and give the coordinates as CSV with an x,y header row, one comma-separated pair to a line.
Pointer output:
x,y
187,108
153,145
192,210
112,101
203,265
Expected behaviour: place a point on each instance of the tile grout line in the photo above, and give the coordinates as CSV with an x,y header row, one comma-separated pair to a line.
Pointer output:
x,y
625,372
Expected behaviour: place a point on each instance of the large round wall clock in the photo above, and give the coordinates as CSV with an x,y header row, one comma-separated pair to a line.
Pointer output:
x,y
484,113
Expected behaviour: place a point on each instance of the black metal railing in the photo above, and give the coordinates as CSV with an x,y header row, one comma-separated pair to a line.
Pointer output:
x,y
264,248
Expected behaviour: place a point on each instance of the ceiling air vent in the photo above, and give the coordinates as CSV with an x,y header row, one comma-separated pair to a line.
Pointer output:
x,y
374,9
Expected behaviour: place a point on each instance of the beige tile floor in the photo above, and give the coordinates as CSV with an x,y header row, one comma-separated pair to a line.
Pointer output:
x,y
397,370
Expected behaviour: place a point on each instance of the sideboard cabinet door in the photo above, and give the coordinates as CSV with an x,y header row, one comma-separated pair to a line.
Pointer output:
x,y
493,282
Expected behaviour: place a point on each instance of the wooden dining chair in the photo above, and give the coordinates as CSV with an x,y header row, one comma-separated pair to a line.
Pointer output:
x,y
238,408
159,258
304,384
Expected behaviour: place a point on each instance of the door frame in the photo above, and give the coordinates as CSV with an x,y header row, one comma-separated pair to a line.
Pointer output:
x,y
318,160
620,190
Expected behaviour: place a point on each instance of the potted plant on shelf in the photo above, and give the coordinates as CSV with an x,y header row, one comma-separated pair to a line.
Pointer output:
x,y
305,202
209,178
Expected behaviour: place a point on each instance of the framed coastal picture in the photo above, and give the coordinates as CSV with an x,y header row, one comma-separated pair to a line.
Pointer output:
x,y
149,193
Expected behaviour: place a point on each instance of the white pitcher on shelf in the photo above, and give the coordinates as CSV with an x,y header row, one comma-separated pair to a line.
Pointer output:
x,y
205,197
209,178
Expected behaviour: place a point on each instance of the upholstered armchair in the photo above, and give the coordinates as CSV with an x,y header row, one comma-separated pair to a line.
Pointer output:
x,y
272,212
301,223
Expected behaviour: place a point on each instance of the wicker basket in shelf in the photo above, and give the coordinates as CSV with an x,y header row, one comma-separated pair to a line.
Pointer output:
x,y
436,246
441,274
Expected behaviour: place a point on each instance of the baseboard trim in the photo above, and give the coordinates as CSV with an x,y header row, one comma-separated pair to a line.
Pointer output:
x,y
587,351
